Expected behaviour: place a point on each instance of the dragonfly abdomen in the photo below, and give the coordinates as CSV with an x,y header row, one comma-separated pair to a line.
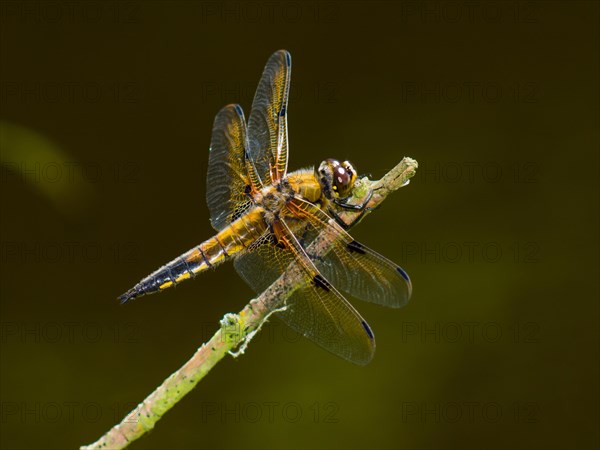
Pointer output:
x,y
234,238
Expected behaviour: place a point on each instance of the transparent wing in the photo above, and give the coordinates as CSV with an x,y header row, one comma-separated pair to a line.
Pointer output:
x,y
315,309
228,177
267,125
349,265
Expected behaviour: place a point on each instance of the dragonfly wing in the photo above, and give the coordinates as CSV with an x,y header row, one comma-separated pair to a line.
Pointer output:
x,y
366,275
351,266
267,125
227,177
315,309
330,321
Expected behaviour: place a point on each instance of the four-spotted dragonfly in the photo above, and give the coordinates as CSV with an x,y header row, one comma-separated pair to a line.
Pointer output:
x,y
266,218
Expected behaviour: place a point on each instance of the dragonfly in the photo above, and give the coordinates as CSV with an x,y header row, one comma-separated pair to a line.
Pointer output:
x,y
266,219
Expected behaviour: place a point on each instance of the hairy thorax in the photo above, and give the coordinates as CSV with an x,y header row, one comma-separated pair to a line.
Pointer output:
x,y
274,198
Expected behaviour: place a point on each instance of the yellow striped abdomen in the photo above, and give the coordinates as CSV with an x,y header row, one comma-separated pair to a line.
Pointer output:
x,y
236,237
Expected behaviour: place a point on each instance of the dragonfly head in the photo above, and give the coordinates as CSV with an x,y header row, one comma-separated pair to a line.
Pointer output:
x,y
336,178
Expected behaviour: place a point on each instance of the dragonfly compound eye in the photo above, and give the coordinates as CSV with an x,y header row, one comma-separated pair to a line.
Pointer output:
x,y
337,179
343,179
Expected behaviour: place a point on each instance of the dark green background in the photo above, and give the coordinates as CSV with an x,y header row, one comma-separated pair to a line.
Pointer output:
x,y
498,101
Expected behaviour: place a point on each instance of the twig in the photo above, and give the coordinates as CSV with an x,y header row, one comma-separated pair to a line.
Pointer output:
x,y
237,329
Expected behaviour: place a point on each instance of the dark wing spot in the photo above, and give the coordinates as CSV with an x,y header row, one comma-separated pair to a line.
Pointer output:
x,y
247,189
288,59
403,273
282,112
357,247
321,283
368,329
238,109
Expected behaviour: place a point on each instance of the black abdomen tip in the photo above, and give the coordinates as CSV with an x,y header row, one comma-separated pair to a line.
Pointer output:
x,y
129,295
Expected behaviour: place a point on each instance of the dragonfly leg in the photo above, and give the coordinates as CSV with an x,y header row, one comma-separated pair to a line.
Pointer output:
x,y
360,207
343,204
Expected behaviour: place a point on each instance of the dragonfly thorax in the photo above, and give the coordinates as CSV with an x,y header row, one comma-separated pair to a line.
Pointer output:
x,y
274,198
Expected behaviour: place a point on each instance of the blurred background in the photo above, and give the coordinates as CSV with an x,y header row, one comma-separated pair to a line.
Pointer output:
x,y
106,113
